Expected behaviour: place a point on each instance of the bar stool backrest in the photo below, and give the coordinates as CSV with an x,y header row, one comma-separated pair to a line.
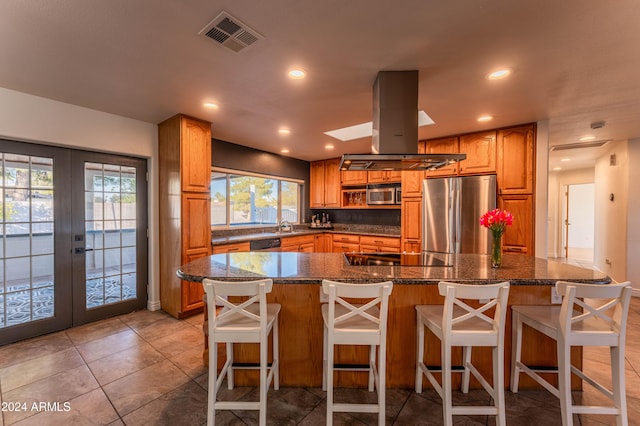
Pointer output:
x,y
255,291
467,324
603,316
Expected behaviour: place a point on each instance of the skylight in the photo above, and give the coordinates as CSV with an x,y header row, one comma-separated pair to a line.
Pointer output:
x,y
364,130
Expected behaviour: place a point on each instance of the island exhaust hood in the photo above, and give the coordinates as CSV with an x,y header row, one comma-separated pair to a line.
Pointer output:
x,y
394,143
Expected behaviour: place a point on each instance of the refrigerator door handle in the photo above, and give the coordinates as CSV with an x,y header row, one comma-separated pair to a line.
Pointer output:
x,y
457,224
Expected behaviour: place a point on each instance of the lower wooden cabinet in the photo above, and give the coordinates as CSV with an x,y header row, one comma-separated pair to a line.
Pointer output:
x,y
323,243
346,243
518,238
303,243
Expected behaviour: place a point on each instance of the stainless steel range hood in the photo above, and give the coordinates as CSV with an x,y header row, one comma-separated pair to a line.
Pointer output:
x,y
394,142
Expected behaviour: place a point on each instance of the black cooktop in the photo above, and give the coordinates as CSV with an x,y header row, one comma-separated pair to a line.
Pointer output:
x,y
394,259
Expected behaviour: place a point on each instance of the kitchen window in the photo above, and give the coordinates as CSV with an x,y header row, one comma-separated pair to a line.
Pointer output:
x,y
247,199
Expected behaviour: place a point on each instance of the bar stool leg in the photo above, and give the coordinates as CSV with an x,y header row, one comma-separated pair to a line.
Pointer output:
x,y
276,357
230,373
372,363
497,355
618,382
382,374
324,359
466,360
447,407
329,381
564,381
419,353
516,350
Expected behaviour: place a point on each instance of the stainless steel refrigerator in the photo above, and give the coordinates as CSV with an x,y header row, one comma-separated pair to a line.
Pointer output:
x,y
451,210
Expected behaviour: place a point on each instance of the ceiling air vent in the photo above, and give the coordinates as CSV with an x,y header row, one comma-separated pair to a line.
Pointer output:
x,y
230,32
581,145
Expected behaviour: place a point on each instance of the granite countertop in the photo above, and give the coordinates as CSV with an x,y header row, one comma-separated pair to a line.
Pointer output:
x,y
378,231
312,268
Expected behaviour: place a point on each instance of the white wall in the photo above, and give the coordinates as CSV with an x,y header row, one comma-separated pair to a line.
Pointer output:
x,y
610,251
557,181
31,118
633,216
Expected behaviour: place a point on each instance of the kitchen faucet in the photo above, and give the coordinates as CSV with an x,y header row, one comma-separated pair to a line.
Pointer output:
x,y
285,226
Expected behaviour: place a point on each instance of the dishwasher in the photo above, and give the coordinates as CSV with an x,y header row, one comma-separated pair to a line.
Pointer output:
x,y
266,244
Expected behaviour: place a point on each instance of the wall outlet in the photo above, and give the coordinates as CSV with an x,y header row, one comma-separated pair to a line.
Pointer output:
x,y
324,297
556,299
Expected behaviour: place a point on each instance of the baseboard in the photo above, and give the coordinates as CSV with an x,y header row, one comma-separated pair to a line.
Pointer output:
x,y
153,306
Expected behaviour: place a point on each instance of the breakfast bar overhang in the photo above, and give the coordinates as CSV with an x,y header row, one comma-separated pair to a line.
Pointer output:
x,y
297,281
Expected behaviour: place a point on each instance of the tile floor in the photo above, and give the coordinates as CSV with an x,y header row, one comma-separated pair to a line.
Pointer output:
x,y
145,368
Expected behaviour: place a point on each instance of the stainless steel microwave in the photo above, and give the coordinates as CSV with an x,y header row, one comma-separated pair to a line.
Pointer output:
x,y
384,194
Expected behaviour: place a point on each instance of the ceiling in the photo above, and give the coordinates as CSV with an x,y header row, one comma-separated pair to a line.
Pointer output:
x,y
574,62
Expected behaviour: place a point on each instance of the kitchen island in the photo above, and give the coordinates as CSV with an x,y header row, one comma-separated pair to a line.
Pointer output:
x,y
297,287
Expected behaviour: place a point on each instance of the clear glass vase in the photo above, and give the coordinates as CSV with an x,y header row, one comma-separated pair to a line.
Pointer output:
x,y
496,250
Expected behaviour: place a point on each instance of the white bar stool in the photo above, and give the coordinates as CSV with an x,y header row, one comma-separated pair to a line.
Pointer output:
x,y
601,322
348,323
249,321
456,323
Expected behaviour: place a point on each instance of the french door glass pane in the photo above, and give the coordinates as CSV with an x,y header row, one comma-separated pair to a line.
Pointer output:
x,y
110,232
26,239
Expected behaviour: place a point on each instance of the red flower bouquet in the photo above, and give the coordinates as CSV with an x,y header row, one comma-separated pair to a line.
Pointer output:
x,y
497,221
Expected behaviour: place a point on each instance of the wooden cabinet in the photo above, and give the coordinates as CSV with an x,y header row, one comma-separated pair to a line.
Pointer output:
x,y
324,185
371,244
231,248
481,153
184,167
516,162
353,177
323,243
518,238
442,146
302,243
412,183
384,176
346,243
411,224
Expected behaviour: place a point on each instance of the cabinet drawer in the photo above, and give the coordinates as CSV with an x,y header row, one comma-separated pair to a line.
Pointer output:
x,y
298,240
346,238
230,248
380,241
339,247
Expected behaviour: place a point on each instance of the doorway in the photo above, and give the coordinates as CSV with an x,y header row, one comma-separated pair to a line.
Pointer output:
x,y
73,238
579,223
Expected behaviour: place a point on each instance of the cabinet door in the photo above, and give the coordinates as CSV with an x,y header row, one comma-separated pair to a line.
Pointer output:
x,y
231,248
376,177
516,160
196,224
481,153
411,228
322,243
384,176
442,146
316,184
195,155
332,183
191,292
353,177
412,183
518,238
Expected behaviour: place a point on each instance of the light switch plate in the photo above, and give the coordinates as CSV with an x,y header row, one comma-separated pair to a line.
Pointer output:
x,y
556,299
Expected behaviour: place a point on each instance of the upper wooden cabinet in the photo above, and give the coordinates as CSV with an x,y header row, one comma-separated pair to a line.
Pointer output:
x,y
412,183
481,153
324,185
353,177
184,167
442,146
516,160
384,176
195,155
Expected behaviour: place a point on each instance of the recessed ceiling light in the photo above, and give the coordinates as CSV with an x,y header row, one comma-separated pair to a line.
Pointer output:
x,y
329,146
363,130
564,160
485,118
284,150
284,131
557,168
211,105
587,138
499,74
297,73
